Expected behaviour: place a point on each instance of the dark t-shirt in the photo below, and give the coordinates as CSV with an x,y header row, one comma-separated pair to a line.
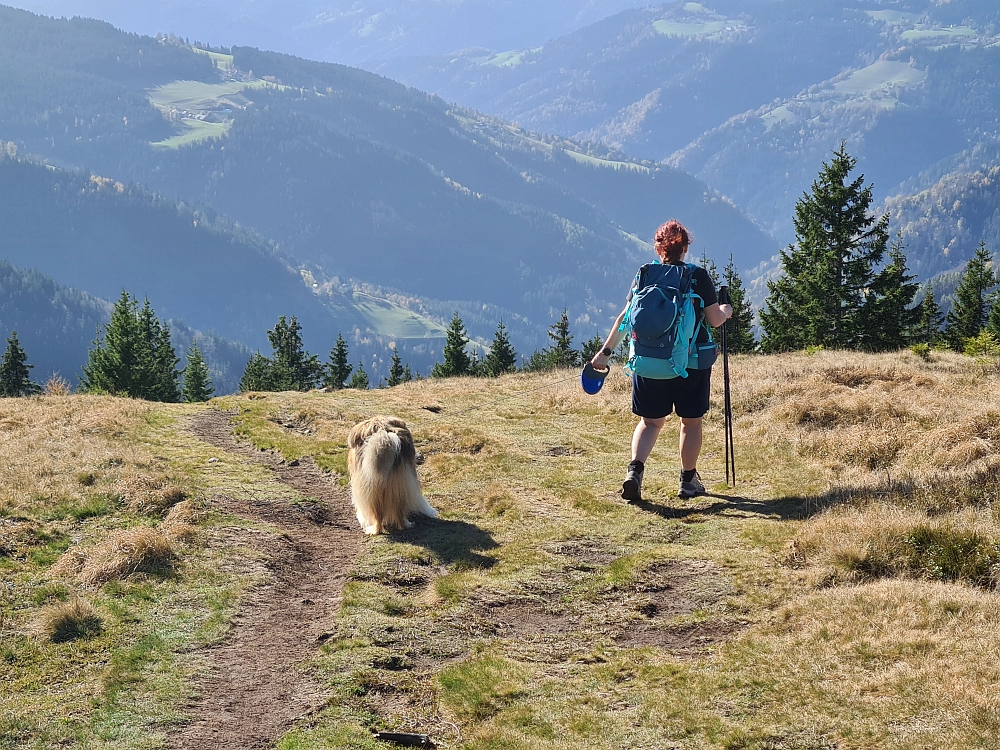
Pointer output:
x,y
701,284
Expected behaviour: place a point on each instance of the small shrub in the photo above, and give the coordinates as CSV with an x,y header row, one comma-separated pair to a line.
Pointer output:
x,y
811,350
951,555
923,351
983,345
68,621
57,385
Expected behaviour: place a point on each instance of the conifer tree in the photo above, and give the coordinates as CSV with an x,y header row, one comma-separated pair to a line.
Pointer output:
x,y
928,328
294,368
257,375
501,358
560,352
591,347
888,320
165,361
822,298
133,356
14,370
197,380
970,311
337,370
407,374
359,379
456,360
739,335
395,369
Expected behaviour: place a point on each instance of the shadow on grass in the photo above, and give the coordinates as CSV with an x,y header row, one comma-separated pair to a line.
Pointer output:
x,y
783,508
458,544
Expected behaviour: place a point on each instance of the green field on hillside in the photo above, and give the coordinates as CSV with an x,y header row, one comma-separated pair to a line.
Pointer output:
x,y
952,33
881,75
387,319
608,163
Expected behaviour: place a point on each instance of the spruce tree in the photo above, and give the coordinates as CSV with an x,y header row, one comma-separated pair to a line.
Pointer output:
x,y
501,358
257,375
197,380
822,298
407,374
395,369
739,334
133,356
560,352
337,370
888,321
456,360
165,361
15,377
970,311
928,328
590,348
359,379
294,368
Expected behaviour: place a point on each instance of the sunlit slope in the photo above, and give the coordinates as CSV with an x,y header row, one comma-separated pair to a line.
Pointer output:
x,y
840,595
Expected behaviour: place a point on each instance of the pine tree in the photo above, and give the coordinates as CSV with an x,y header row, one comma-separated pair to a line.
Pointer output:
x,y
928,328
822,298
501,358
337,369
197,380
887,323
590,348
970,311
133,356
560,352
395,369
359,379
257,375
14,370
165,361
456,360
294,368
739,334
407,374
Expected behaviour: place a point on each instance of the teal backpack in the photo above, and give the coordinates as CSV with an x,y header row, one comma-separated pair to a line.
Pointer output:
x,y
663,322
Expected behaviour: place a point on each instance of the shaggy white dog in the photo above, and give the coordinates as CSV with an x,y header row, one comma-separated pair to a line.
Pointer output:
x,y
382,462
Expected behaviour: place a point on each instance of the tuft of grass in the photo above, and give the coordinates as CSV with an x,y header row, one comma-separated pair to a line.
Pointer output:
x,y
68,621
121,554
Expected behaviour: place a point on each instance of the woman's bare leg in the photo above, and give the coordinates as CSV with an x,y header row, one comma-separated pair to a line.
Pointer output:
x,y
691,439
644,437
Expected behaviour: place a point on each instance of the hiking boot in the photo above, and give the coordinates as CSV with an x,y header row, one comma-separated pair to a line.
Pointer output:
x,y
632,486
692,487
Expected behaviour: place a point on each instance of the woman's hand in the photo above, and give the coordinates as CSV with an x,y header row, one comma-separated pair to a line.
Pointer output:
x,y
718,314
600,361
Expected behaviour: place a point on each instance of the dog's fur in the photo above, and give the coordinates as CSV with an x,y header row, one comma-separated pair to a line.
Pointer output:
x,y
382,462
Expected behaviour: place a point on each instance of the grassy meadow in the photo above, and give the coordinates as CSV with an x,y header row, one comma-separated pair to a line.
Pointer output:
x,y
842,595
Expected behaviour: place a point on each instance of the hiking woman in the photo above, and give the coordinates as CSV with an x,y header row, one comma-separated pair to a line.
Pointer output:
x,y
653,399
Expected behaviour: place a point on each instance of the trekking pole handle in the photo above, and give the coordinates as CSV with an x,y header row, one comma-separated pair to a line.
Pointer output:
x,y
723,295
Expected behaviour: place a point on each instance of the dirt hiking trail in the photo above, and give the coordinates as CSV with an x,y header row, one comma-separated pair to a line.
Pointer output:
x,y
256,689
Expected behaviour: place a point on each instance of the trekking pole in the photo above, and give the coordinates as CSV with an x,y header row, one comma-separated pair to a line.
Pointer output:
x,y
728,407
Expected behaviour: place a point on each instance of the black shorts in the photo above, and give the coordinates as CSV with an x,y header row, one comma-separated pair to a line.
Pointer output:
x,y
688,397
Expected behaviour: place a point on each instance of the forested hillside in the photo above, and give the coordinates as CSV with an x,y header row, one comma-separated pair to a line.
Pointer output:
x,y
362,178
751,97
57,325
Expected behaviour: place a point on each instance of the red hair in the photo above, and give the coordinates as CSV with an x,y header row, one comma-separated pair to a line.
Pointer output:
x,y
671,241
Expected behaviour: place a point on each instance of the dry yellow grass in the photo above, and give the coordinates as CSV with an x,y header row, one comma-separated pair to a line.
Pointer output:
x,y
67,621
122,553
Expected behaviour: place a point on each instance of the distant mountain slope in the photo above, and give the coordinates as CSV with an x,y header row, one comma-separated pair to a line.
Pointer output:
x,y
370,181
649,81
57,326
347,32
104,236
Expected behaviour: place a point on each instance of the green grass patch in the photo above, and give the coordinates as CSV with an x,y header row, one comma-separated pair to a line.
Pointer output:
x,y
481,686
881,75
949,34
689,28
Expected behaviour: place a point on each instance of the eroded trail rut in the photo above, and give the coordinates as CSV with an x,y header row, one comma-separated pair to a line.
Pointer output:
x,y
256,687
